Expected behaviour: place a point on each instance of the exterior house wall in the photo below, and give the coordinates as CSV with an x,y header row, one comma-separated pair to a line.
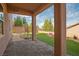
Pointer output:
x,y
4,42
6,37
73,31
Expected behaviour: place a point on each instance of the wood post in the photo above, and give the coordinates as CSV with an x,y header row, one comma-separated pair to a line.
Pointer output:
x,y
33,27
60,29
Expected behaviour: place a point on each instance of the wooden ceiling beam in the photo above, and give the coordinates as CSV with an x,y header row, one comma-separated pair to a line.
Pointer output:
x,y
41,8
4,6
16,10
19,11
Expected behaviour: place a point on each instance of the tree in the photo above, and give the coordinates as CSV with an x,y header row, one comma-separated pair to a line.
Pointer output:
x,y
30,27
18,21
51,25
26,27
48,26
24,20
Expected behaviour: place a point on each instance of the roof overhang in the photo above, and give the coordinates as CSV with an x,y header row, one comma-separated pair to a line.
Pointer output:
x,y
27,8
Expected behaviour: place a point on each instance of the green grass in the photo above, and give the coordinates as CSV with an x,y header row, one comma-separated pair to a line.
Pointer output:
x,y
72,46
45,38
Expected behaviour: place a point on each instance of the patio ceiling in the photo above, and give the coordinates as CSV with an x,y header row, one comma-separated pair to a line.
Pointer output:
x,y
27,8
1,9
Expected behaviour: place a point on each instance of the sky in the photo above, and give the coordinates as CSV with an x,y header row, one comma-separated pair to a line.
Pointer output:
x,y
72,15
46,14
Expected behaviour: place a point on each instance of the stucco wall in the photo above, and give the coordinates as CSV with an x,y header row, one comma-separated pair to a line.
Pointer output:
x,y
4,40
73,31
7,36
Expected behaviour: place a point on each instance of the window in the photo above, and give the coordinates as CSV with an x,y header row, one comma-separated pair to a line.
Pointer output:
x,y
1,24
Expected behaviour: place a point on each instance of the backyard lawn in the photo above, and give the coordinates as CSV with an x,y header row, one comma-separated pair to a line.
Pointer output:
x,y
72,46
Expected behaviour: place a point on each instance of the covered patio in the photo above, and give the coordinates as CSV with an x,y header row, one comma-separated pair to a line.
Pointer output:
x,y
33,9
24,47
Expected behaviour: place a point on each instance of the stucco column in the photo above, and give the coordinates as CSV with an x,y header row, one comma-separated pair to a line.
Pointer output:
x,y
33,27
60,29
7,24
5,18
6,28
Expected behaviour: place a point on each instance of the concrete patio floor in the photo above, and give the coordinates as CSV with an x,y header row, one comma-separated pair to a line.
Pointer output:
x,y
24,47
